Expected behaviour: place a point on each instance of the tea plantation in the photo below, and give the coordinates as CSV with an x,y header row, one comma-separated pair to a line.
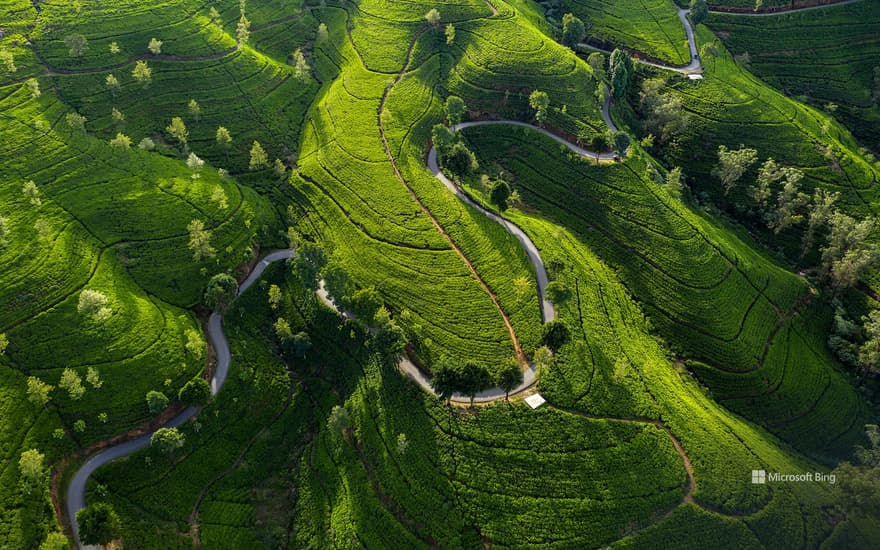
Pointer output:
x,y
825,57
153,153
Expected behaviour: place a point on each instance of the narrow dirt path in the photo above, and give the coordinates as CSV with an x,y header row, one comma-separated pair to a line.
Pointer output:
x,y
408,60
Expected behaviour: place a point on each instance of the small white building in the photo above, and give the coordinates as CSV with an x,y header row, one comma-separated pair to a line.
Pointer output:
x,y
535,400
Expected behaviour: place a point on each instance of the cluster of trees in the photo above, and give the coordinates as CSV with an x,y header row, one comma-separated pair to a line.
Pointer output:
x,y
98,524
699,11
661,111
452,153
312,265
470,378
847,253
858,484
857,346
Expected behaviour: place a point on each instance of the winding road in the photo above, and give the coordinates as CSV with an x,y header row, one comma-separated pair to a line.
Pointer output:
x,y
694,67
77,488
76,491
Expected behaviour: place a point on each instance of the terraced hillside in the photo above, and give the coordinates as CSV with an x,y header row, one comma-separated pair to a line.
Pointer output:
x,y
682,270
826,57
683,357
729,99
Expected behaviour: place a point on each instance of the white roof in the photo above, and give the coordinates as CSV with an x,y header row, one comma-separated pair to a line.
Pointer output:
x,y
694,76
535,400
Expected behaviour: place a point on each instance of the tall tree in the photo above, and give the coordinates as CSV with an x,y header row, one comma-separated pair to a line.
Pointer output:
x,y
196,392
167,440
223,137
509,377
337,283
112,83
455,109
339,421
177,130
155,46
32,193
142,73
445,378
450,33
300,65
663,113
443,139
259,158
500,194
34,86
38,391
243,30
769,174
93,377
221,292
195,164
820,214
596,61
848,254
76,121
732,164
869,352
474,379
365,302
433,17
33,471
540,102
72,384
573,30
699,11
674,183
790,202
621,141
156,401
8,60
194,109
621,72
98,524
55,541
200,241
121,141
76,44
308,263
460,161
94,304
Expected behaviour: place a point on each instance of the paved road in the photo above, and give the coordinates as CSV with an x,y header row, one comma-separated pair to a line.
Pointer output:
x,y
547,311
76,492
694,67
